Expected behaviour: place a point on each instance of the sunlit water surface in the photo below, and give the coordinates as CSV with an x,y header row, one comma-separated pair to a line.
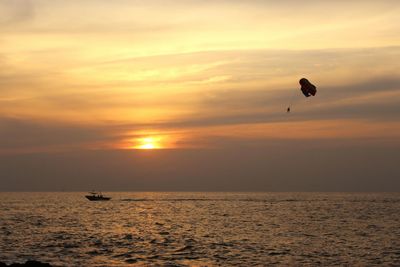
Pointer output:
x,y
201,229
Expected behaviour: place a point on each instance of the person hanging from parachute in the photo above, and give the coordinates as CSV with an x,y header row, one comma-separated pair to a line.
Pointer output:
x,y
307,88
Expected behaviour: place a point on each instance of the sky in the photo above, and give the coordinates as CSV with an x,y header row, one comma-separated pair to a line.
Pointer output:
x,y
174,95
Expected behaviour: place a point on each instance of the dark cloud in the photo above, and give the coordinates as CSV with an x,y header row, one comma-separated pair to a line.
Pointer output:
x,y
329,165
29,135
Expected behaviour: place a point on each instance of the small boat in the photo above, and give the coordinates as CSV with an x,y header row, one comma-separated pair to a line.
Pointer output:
x,y
97,196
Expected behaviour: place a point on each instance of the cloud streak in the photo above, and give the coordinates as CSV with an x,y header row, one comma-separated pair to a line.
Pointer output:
x,y
27,136
82,114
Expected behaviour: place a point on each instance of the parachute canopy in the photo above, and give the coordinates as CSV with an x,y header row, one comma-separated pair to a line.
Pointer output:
x,y
307,88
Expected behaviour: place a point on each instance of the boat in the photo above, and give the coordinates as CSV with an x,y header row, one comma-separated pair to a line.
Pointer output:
x,y
97,196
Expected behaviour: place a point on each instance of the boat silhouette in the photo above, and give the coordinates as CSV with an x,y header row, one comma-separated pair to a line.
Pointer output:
x,y
97,196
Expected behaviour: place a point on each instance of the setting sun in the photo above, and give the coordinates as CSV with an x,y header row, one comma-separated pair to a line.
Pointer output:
x,y
148,143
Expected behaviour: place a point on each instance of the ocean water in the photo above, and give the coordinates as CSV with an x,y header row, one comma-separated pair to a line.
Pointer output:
x,y
202,229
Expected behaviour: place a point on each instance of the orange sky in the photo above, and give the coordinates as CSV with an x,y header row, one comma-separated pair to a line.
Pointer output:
x,y
180,70
192,95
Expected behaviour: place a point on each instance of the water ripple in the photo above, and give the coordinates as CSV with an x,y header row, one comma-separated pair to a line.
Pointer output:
x,y
201,229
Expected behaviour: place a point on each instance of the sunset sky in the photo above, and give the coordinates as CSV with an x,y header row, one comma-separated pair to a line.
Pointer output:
x,y
192,95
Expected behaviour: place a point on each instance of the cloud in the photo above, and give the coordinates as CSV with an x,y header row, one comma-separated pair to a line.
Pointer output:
x,y
264,166
24,135
355,84
357,101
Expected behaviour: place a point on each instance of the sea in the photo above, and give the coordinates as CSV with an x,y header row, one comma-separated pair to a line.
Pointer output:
x,y
201,229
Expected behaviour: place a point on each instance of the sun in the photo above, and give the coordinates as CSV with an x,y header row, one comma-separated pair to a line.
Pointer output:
x,y
148,143
147,146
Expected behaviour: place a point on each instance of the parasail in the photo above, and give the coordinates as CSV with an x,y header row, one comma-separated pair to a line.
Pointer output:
x,y
307,88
